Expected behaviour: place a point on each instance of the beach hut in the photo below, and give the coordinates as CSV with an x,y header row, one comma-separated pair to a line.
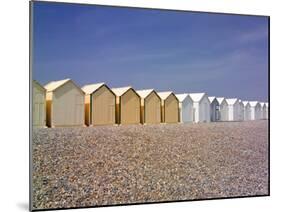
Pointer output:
x,y
263,110
255,110
99,104
169,107
65,104
201,107
223,113
247,111
241,110
266,114
128,104
150,106
38,105
233,109
214,109
185,108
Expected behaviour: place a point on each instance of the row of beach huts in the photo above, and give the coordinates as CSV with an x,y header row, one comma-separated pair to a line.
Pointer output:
x,y
63,104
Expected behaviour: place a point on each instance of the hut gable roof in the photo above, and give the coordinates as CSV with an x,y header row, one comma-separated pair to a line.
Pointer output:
x,y
232,101
182,97
144,93
220,99
39,85
53,85
212,98
120,91
91,88
197,97
253,103
164,95
245,103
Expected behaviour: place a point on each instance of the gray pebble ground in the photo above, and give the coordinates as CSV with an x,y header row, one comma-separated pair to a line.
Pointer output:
x,y
80,167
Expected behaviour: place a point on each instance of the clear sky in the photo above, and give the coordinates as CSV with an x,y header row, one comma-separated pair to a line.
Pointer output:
x,y
223,55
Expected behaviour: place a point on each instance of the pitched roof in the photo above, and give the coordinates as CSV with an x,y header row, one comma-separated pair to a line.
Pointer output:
x,y
220,99
182,97
37,83
196,97
231,101
253,103
245,103
211,98
144,93
120,91
53,85
89,89
164,95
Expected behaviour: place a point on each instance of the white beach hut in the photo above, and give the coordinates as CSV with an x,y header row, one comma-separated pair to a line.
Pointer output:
x,y
255,110
38,105
247,111
65,104
263,110
233,109
201,107
185,108
241,110
214,109
266,114
223,113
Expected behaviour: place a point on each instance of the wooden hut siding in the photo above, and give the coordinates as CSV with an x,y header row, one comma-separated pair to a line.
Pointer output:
x,y
247,111
103,107
152,109
130,108
233,109
201,107
39,105
214,109
185,108
171,110
65,104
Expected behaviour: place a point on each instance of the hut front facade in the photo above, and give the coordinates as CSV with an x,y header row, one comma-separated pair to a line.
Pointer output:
x,y
201,107
233,109
169,107
99,105
128,105
214,109
150,106
247,111
255,110
223,107
38,105
185,108
263,109
266,114
241,110
65,104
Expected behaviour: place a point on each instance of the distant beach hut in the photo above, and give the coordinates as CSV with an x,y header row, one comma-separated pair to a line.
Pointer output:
x,y
201,107
215,108
150,106
128,104
247,111
255,110
266,115
38,105
65,104
169,107
241,110
223,113
233,109
99,104
263,110
185,108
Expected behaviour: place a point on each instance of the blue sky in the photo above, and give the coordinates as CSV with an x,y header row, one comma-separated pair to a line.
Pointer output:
x,y
223,55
